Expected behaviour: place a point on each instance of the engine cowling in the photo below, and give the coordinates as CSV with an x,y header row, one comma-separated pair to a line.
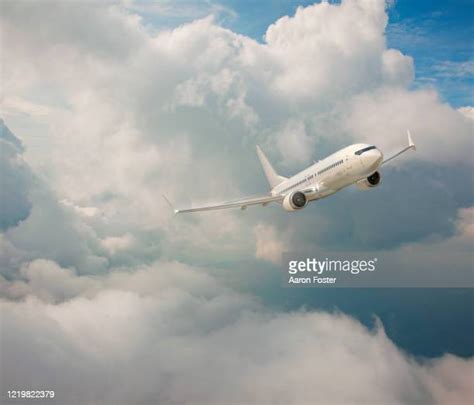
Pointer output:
x,y
295,201
370,182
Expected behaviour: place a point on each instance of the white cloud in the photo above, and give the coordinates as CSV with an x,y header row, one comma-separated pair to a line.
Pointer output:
x,y
117,243
294,144
465,223
181,111
397,68
269,245
181,12
168,324
88,212
467,112
136,128
16,105
15,181
178,112
455,69
51,283
442,134
317,60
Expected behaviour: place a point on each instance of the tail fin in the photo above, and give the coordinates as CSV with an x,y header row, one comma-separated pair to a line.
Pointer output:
x,y
273,178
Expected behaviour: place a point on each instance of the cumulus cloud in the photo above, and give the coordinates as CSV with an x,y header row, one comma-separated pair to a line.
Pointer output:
x,y
46,280
181,113
383,117
269,244
94,282
320,61
200,95
175,335
467,112
116,243
15,181
294,143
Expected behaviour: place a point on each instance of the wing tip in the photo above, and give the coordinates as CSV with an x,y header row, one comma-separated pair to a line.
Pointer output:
x,y
175,211
411,144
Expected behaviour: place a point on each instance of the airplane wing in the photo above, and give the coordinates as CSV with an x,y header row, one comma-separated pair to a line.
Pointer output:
x,y
244,203
411,145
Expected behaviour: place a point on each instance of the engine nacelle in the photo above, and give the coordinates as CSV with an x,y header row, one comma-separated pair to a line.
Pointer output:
x,y
295,201
372,181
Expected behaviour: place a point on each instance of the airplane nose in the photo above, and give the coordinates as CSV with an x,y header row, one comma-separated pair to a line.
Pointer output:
x,y
373,159
379,157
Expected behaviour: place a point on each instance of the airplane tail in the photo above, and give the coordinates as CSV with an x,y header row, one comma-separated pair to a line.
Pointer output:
x,y
273,178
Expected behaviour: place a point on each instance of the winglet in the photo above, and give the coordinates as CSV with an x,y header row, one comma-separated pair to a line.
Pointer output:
x,y
411,144
175,211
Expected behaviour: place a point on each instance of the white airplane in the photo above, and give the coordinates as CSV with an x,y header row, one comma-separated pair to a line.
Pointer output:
x,y
356,164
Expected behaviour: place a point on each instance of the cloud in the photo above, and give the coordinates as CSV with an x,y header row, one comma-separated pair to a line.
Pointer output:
x,y
465,223
101,284
269,245
202,82
182,111
467,112
169,324
52,232
16,180
294,143
383,117
116,243
170,13
34,224
48,281
455,69
320,63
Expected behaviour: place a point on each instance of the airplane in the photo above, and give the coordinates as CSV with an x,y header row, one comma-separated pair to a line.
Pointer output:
x,y
357,164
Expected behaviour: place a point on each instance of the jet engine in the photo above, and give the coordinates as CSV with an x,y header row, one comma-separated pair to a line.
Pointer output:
x,y
372,181
295,201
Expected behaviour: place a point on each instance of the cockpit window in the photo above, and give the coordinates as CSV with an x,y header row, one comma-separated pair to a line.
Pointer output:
x,y
361,151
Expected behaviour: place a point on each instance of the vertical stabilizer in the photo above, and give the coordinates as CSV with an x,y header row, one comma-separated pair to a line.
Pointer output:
x,y
273,178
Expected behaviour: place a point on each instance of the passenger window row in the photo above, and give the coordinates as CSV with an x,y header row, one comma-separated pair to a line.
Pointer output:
x,y
331,166
294,185
340,162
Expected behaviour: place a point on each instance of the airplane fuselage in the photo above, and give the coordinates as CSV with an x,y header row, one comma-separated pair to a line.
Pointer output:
x,y
341,169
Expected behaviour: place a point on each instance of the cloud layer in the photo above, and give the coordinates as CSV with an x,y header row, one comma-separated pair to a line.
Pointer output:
x,y
100,284
169,333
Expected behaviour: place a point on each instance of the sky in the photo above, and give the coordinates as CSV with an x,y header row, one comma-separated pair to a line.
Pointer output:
x,y
437,34
107,106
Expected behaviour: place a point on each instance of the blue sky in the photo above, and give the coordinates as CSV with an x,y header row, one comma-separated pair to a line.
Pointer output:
x,y
437,34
